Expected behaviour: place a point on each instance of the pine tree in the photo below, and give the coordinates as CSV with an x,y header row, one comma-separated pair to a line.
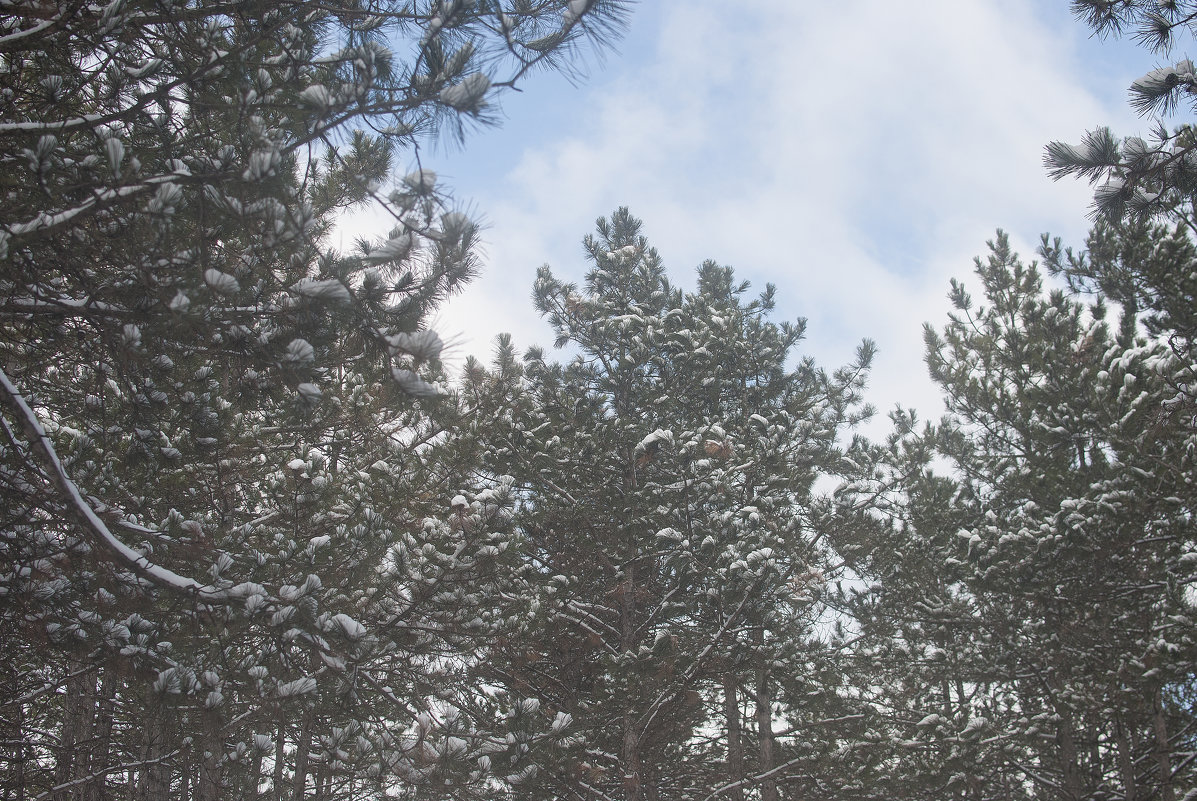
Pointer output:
x,y
1030,612
214,465
1140,177
1140,253
666,483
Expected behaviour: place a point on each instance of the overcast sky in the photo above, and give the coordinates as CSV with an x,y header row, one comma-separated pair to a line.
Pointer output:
x,y
857,154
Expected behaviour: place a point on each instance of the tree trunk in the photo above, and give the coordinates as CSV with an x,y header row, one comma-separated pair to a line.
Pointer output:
x,y
210,779
185,771
1163,751
322,780
735,745
73,702
96,788
279,756
155,777
255,774
764,721
20,749
631,740
631,758
302,747
1069,769
84,735
1126,760
1096,763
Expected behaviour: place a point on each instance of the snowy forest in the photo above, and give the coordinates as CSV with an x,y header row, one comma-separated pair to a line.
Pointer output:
x,y
259,541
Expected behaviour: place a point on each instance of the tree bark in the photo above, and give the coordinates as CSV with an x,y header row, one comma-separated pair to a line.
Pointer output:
x,y
210,779
185,771
322,782
155,777
1163,751
1069,769
735,744
255,774
764,721
84,735
302,747
1126,760
279,756
72,704
20,751
631,741
96,789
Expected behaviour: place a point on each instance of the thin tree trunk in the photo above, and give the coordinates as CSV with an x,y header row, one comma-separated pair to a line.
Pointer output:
x,y
735,745
1096,762
279,756
96,789
255,773
72,714
1163,759
84,735
764,721
322,777
303,746
185,772
155,777
18,736
631,742
631,758
1126,760
210,783
1069,769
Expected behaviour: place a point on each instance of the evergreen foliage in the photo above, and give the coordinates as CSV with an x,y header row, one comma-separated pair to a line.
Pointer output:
x,y
1140,177
1031,611
671,526
251,546
230,560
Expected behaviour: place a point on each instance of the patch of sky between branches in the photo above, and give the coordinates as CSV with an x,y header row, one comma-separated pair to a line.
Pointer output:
x,y
546,102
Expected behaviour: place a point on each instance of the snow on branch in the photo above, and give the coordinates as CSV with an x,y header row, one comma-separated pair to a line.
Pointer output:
x,y
88,517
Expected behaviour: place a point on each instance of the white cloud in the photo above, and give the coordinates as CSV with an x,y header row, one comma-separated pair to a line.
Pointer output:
x,y
855,154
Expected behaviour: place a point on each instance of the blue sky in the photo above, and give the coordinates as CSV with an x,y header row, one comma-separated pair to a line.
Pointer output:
x,y
857,154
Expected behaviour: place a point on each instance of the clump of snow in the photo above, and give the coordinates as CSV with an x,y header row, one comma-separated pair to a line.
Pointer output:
x,y
352,629
299,350
422,182
575,11
317,96
654,441
412,384
219,282
301,686
420,344
394,249
329,289
467,94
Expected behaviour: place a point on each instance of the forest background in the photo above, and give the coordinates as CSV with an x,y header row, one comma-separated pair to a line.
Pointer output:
x,y
813,147
262,538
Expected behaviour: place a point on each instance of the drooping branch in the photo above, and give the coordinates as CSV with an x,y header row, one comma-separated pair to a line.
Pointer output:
x,y
83,513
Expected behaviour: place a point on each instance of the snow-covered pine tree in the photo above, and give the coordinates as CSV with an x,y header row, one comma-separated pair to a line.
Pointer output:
x,y
212,431
1146,183
1140,177
1030,626
665,478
